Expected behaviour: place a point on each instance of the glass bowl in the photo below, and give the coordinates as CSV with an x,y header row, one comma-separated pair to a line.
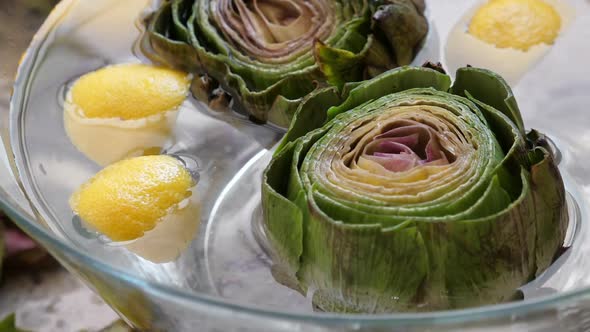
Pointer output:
x,y
222,281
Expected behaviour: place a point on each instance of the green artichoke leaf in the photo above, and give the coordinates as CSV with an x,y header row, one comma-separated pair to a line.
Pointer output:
x,y
181,12
285,218
403,25
8,324
396,80
490,257
512,143
550,203
372,264
491,89
310,114
168,38
401,193
377,59
262,53
284,199
338,65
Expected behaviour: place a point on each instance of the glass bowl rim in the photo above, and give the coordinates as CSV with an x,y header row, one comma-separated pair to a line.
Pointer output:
x,y
19,96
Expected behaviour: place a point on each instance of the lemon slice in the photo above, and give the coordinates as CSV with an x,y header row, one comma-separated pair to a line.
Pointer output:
x,y
129,91
124,111
129,198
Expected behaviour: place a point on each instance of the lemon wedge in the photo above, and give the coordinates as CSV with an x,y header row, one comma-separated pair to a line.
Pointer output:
x,y
129,91
130,197
123,111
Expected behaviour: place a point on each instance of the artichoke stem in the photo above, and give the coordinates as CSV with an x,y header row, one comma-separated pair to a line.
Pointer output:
x,y
219,100
203,87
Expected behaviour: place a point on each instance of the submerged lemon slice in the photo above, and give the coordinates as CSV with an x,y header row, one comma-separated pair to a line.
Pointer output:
x,y
128,198
124,110
129,91
518,24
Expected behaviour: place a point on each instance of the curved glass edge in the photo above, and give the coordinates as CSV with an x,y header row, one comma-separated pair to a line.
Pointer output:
x,y
92,270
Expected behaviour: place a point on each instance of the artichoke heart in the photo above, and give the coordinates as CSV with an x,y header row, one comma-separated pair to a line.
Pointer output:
x,y
270,54
407,194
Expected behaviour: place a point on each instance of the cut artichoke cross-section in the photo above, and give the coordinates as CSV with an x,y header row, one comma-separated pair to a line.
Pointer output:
x,y
407,194
271,54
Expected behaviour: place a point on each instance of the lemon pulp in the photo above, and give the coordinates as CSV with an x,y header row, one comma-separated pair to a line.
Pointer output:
x,y
128,198
518,24
129,91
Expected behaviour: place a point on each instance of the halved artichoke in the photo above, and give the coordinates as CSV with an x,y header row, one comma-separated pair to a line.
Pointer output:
x,y
406,194
269,54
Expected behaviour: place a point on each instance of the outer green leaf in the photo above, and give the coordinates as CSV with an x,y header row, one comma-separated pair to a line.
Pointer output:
x,y
310,114
371,265
403,25
549,196
339,66
391,82
173,49
490,89
284,224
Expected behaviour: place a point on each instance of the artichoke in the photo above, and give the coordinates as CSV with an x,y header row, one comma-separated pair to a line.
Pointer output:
x,y
403,193
270,54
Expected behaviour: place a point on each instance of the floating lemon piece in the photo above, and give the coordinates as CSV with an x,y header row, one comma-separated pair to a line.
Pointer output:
x,y
130,91
518,24
128,198
172,235
124,110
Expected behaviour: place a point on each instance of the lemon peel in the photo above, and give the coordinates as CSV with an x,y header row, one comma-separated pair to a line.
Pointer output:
x,y
129,91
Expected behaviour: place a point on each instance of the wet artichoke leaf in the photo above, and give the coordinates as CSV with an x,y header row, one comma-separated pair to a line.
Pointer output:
x,y
390,82
403,26
494,253
176,52
285,218
549,200
360,275
310,114
410,195
490,89
339,66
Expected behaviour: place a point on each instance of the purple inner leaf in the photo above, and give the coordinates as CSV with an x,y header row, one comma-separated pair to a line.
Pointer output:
x,y
407,145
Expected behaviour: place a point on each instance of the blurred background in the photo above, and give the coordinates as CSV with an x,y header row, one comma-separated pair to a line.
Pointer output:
x,y
41,295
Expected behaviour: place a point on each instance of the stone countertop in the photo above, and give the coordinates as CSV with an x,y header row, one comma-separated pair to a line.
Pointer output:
x,y
51,300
